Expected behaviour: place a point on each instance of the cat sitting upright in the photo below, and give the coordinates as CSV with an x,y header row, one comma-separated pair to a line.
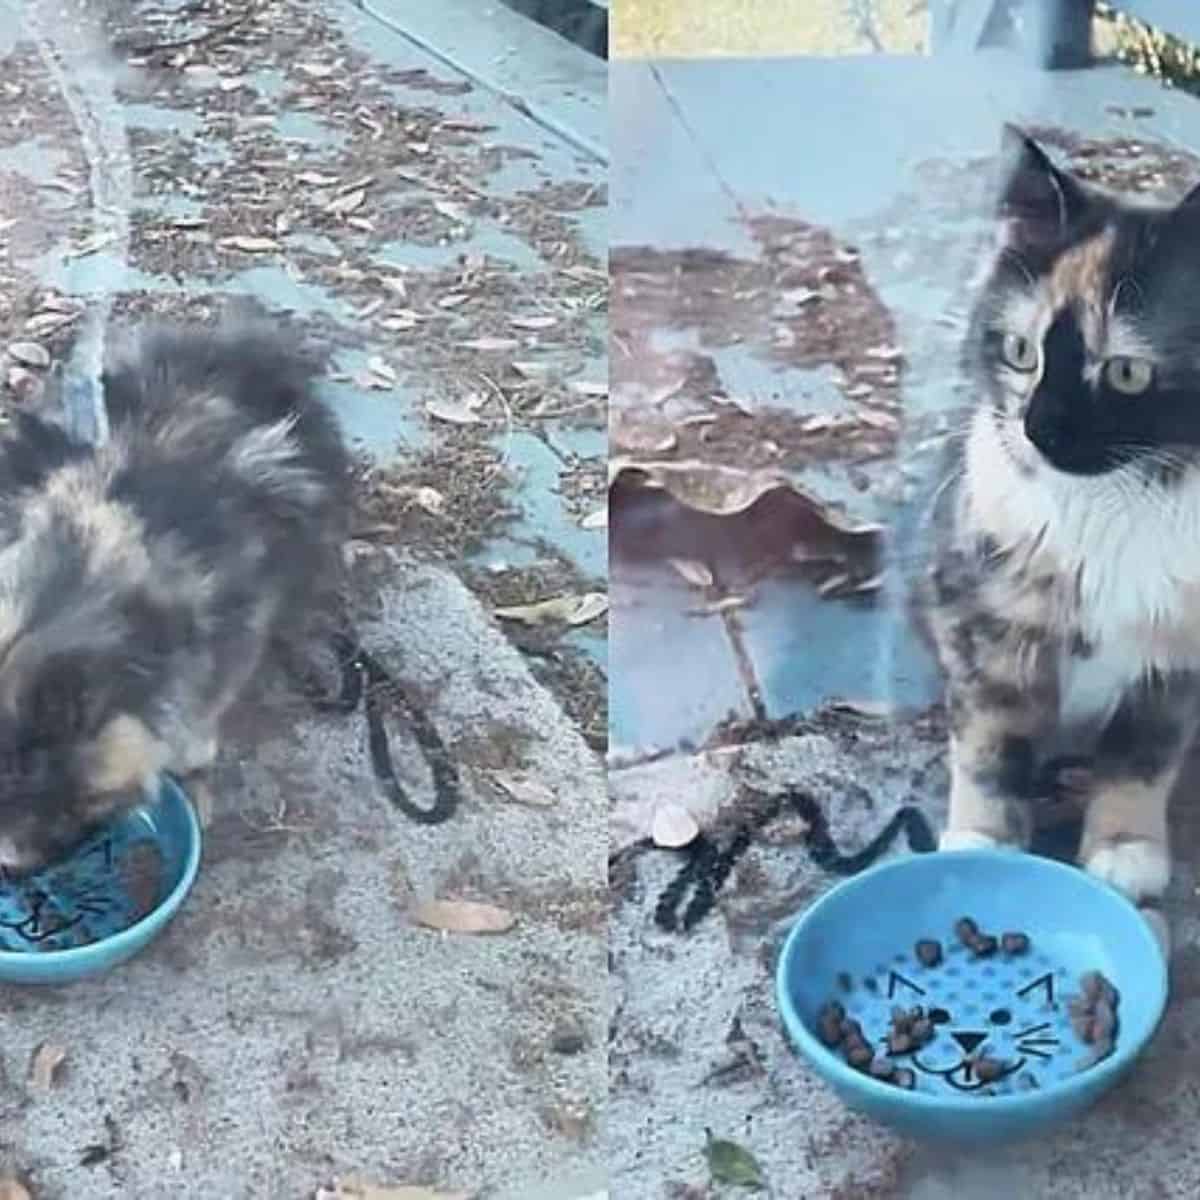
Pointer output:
x,y
141,581
1064,598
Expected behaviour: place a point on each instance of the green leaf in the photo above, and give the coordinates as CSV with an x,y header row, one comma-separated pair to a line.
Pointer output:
x,y
730,1163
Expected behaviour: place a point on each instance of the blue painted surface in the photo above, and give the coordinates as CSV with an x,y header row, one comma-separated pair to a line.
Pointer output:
x,y
694,155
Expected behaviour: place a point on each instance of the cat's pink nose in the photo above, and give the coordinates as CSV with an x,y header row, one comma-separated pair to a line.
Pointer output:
x,y
968,1041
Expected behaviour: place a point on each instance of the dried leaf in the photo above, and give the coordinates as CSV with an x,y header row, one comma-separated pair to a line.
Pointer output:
x,y
525,790
491,343
431,500
29,353
833,583
357,1189
453,300
696,573
730,1163
571,610
249,245
716,607
595,520
347,203
587,387
91,245
382,368
451,211
452,413
673,826
532,370
545,322
44,1065
464,916
316,179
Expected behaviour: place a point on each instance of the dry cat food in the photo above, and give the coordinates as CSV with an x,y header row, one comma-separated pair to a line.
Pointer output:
x,y
982,1061
1094,1017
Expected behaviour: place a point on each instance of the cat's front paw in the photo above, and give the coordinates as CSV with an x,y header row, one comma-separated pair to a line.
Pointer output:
x,y
967,839
1138,867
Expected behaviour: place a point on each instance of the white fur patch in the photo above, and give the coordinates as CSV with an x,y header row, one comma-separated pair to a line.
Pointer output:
x,y
1140,869
1120,539
966,839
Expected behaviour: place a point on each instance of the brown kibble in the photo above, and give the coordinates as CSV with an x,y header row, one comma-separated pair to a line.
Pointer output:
x,y
966,930
833,1010
928,952
883,1068
1104,1022
900,1018
922,1031
1014,943
988,1070
1091,987
900,1042
852,1032
984,946
904,1078
845,982
859,1055
830,1030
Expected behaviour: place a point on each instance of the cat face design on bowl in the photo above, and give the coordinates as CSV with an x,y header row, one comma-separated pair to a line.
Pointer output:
x,y
1002,1035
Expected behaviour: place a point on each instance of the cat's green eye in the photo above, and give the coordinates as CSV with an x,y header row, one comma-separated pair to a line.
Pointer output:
x,y
1019,352
1131,376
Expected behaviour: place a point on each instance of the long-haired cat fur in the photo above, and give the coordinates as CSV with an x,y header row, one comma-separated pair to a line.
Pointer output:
x,y
141,581
1064,599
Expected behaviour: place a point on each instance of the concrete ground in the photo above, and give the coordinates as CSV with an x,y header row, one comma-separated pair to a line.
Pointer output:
x,y
427,205
786,314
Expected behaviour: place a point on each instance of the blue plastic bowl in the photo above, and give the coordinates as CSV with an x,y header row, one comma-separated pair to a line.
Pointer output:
x,y
1011,1008
112,897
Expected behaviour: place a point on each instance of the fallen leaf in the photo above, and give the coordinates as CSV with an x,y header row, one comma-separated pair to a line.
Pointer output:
x,y
47,322
449,411
91,245
525,790
356,1189
431,500
453,300
532,370
29,353
44,1065
716,607
673,826
491,343
572,610
533,322
345,204
858,391
249,245
588,387
382,368
833,583
316,179
451,211
464,916
730,1163
595,520
696,573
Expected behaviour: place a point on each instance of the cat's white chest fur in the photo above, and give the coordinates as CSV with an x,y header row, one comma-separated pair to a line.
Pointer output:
x,y
1127,556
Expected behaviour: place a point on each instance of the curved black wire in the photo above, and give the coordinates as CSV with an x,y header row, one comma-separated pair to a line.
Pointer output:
x,y
708,866
367,683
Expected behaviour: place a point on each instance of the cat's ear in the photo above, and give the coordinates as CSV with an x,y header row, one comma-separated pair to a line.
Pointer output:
x,y
1038,202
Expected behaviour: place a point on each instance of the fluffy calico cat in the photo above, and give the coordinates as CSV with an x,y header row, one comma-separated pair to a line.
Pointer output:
x,y
1065,595
141,581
